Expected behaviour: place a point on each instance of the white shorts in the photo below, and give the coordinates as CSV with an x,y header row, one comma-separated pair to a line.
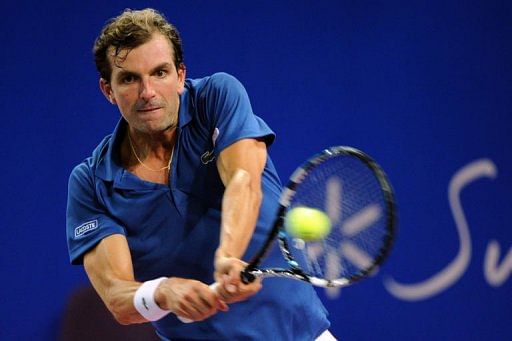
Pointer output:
x,y
326,336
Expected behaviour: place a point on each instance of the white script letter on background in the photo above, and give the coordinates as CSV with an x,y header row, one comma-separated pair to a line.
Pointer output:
x,y
456,268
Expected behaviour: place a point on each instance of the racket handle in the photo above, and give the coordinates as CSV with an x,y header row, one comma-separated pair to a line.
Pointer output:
x,y
213,287
247,277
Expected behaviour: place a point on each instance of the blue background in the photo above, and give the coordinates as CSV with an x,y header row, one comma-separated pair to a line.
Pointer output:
x,y
422,86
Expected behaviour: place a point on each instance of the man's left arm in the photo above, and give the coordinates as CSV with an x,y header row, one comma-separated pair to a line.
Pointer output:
x,y
240,167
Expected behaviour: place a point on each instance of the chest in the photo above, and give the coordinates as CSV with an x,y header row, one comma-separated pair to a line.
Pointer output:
x,y
158,177
194,171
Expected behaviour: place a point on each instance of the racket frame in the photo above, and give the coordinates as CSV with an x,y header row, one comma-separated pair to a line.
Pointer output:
x,y
251,272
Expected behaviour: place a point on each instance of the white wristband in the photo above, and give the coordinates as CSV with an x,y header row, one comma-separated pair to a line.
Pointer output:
x,y
144,300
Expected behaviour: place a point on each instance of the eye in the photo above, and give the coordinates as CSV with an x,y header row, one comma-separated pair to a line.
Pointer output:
x,y
128,79
161,73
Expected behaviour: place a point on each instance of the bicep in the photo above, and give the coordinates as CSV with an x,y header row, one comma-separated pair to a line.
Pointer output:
x,y
249,155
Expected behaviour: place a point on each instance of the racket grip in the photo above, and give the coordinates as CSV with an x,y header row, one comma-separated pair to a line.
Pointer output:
x,y
213,287
247,277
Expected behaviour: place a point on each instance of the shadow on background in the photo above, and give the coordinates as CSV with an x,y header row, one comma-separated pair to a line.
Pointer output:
x,y
86,318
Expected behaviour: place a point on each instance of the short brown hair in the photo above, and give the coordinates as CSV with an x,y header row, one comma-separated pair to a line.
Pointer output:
x,y
130,29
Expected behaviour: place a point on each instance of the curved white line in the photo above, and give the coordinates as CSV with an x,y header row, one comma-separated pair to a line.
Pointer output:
x,y
495,273
454,270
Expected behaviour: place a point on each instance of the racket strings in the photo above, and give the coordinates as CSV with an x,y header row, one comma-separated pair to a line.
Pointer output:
x,y
348,191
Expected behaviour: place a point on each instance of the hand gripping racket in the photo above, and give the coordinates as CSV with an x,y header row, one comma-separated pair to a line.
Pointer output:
x,y
356,195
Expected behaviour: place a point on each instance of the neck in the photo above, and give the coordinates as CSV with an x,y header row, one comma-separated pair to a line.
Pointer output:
x,y
155,146
149,155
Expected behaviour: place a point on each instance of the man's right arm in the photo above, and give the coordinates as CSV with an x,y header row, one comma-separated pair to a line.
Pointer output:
x,y
110,270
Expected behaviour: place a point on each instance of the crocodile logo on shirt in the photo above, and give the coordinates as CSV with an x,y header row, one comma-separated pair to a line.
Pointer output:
x,y
209,155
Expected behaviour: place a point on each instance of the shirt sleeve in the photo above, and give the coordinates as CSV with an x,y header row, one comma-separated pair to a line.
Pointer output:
x,y
229,108
87,221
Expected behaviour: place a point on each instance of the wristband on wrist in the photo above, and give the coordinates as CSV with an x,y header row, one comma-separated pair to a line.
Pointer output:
x,y
144,300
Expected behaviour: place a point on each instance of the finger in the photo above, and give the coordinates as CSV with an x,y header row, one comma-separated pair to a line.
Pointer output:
x,y
229,285
221,289
200,304
222,306
197,312
207,308
245,291
193,315
210,300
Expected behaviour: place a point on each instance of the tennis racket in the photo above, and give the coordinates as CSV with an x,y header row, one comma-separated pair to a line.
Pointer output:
x,y
354,192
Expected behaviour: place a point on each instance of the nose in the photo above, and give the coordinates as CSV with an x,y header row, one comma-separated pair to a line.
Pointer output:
x,y
146,90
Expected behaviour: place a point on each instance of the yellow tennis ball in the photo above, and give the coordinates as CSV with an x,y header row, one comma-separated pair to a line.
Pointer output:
x,y
307,223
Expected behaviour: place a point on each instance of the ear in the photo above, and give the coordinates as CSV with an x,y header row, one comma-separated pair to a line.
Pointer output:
x,y
182,73
106,89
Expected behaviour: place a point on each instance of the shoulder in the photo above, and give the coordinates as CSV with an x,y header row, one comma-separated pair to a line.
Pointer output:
x,y
86,169
216,83
225,83
221,79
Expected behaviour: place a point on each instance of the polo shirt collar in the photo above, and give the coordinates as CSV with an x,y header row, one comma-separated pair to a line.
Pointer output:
x,y
108,161
109,166
186,105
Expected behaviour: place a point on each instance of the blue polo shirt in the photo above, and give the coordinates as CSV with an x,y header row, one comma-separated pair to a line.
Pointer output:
x,y
173,230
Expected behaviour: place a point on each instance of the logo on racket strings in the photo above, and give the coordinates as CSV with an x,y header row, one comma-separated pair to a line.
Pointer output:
x,y
349,227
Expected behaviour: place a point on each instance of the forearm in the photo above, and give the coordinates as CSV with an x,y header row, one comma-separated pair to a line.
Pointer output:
x,y
109,269
119,301
240,167
240,210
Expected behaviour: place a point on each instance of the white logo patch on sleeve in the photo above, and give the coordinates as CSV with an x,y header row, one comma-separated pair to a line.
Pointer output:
x,y
86,228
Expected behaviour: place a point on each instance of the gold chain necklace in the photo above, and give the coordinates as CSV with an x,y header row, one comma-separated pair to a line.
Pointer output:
x,y
142,163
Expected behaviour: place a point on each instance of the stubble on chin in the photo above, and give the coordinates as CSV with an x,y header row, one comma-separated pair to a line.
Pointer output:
x,y
154,127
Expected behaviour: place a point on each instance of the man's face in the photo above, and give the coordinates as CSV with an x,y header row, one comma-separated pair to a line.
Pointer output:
x,y
146,85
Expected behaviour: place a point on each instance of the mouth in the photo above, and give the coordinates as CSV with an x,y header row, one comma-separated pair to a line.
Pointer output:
x,y
149,109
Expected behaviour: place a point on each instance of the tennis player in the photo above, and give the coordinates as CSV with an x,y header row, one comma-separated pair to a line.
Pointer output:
x,y
178,196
